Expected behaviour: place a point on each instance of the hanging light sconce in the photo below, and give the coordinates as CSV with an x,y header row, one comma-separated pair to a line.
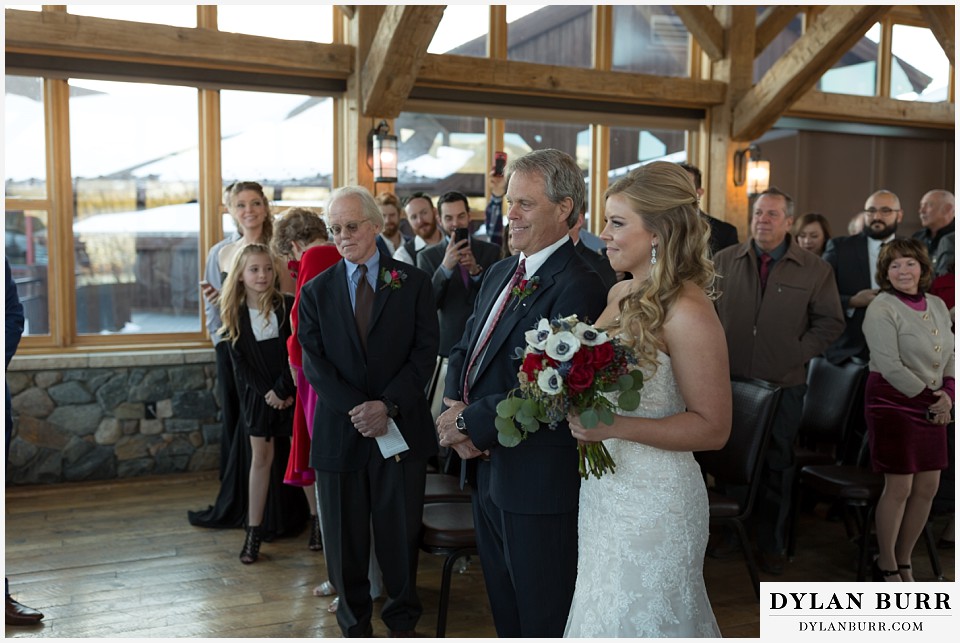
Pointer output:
x,y
382,153
755,172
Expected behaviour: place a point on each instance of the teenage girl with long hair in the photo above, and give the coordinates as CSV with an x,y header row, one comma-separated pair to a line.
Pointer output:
x,y
256,323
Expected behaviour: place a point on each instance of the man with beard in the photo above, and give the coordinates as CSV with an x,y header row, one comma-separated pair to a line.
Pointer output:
x,y
423,219
854,262
392,234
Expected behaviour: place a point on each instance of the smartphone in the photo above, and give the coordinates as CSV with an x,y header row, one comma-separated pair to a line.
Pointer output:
x,y
459,234
499,163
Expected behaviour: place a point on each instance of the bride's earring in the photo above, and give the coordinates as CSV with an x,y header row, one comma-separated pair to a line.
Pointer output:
x,y
653,255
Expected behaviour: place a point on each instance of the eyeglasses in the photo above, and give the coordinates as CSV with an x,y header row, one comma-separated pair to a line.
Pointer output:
x,y
352,227
883,211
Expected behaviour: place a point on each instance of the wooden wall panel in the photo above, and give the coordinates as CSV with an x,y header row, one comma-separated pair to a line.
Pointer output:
x,y
834,173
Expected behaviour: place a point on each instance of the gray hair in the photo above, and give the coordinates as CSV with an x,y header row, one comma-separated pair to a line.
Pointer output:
x,y
561,175
367,203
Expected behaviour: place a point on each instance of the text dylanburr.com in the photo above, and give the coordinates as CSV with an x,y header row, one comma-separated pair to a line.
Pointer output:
x,y
798,610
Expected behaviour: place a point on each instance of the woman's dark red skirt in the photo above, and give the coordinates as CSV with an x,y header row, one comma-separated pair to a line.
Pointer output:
x,y
902,440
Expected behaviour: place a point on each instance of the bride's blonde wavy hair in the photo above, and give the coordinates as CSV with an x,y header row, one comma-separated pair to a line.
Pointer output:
x,y
663,195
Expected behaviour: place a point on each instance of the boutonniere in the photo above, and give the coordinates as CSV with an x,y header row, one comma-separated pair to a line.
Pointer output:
x,y
524,289
392,279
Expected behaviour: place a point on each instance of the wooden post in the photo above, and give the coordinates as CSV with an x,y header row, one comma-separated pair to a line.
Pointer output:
x,y
725,200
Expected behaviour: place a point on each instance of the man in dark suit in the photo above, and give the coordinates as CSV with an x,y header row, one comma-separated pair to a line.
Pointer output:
x,y
854,263
722,234
455,269
525,498
368,328
597,261
16,614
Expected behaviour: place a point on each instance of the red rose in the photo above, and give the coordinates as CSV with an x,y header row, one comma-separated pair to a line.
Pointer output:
x,y
580,378
394,274
602,356
583,356
531,365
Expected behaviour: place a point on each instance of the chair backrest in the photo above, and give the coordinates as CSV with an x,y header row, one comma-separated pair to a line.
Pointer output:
x,y
831,393
739,462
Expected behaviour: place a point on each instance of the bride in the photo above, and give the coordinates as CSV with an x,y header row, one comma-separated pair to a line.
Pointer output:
x,y
643,530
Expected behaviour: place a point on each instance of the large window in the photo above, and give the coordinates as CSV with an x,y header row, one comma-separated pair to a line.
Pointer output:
x,y
311,22
650,39
177,15
439,153
26,219
462,31
919,69
855,72
282,141
552,35
136,218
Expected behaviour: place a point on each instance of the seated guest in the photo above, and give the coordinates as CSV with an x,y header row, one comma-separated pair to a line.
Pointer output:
x,y
909,397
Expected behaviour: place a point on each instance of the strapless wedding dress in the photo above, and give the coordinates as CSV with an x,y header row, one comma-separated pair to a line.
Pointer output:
x,y
642,536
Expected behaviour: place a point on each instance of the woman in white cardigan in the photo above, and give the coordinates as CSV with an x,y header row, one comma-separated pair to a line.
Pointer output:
x,y
909,397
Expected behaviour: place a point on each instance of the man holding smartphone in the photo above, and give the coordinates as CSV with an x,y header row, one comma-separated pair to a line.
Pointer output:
x,y
455,268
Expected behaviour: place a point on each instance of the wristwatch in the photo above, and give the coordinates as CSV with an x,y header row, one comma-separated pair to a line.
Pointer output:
x,y
462,425
392,409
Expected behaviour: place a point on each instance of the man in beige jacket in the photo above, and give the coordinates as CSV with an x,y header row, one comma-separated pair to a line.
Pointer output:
x,y
779,307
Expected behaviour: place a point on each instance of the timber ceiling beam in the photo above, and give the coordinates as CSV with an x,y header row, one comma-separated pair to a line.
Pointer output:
x,y
398,48
511,76
49,33
771,22
941,21
836,30
874,109
704,27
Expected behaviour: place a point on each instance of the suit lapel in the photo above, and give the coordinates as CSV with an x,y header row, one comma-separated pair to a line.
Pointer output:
x,y
863,261
489,301
517,311
381,292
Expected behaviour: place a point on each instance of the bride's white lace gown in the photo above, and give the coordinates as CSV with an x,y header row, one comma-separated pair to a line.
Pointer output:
x,y
643,534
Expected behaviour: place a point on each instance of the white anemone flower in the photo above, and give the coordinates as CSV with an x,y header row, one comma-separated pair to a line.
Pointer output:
x,y
549,381
561,346
537,338
588,335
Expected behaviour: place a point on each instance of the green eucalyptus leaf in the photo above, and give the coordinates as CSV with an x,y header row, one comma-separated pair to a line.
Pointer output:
x,y
606,415
589,418
507,408
505,425
530,408
625,382
508,440
637,379
531,425
629,400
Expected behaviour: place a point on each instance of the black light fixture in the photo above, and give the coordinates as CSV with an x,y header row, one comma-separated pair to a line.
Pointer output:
x,y
382,153
755,172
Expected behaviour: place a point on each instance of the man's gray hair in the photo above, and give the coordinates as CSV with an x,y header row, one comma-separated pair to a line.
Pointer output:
x,y
561,175
368,205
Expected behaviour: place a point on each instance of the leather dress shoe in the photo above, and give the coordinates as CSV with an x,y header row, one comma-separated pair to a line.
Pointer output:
x,y
18,614
772,563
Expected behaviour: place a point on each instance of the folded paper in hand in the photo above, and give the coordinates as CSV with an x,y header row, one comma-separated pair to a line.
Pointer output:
x,y
391,443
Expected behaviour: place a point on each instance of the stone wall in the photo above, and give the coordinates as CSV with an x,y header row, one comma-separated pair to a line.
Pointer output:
x,y
113,415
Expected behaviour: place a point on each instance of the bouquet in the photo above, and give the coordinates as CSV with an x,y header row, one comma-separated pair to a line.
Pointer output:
x,y
567,366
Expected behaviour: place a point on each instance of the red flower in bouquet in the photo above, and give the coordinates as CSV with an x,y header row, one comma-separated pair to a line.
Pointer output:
x,y
569,366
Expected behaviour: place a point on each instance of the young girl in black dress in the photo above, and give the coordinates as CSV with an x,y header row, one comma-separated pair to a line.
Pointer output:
x,y
256,322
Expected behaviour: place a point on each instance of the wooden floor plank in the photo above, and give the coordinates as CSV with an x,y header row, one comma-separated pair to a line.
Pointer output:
x,y
119,559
